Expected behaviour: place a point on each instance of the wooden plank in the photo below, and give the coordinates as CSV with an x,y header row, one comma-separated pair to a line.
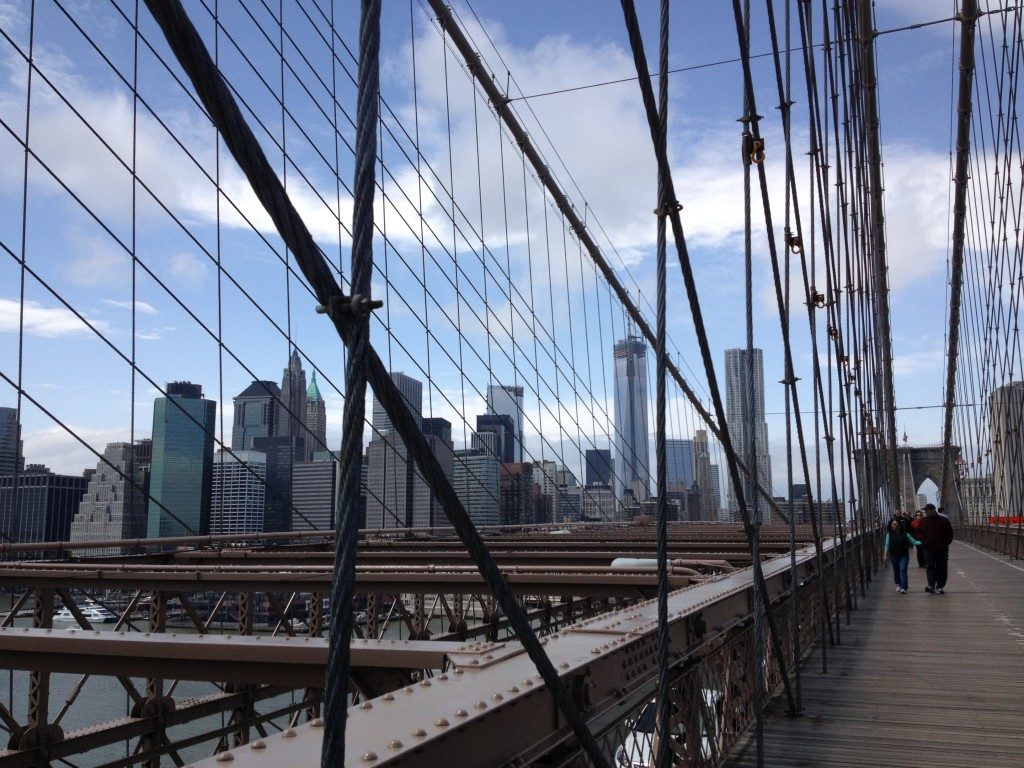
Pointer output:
x,y
920,680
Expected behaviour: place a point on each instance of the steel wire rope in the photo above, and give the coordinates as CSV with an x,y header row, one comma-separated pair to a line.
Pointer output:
x,y
640,61
664,704
512,80
551,145
752,137
443,12
195,59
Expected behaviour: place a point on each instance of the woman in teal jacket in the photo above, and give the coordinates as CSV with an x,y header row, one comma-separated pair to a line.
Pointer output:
x,y
897,547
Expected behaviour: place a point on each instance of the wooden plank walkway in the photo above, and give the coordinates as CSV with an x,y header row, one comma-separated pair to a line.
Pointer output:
x,y
919,680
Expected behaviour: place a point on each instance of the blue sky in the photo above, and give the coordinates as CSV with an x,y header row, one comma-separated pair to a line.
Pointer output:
x,y
603,159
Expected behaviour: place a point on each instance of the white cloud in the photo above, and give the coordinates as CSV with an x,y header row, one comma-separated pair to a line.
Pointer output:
x,y
62,453
49,322
141,307
917,363
187,266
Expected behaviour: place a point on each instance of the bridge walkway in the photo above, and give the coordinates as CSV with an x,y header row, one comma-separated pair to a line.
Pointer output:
x,y
919,679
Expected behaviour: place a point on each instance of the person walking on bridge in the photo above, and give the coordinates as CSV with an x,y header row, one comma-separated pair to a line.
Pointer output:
x,y
915,531
937,534
897,546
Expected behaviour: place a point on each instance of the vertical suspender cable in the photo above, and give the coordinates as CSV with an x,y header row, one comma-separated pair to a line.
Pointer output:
x,y
644,81
347,518
664,725
968,16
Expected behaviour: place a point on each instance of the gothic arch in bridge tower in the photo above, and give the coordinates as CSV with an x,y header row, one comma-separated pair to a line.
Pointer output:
x,y
916,464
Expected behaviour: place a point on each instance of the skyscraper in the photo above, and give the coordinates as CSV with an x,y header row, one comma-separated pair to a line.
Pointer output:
x,y
503,428
632,468
182,470
314,492
114,505
507,400
40,507
598,467
397,495
412,392
679,463
475,478
715,495
1006,409
238,492
293,405
257,414
744,411
316,420
11,457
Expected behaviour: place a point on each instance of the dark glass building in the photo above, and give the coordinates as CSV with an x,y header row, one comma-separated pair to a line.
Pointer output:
x,y
257,414
10,442
41,507
502,427
599,467
181,474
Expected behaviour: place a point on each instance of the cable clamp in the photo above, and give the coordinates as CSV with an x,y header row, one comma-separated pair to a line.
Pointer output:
x,y
753,149
795,243
818,299
348,307
668,210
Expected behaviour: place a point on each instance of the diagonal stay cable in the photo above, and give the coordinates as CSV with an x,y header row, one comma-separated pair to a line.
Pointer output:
x,y
640,60
194,58
500,103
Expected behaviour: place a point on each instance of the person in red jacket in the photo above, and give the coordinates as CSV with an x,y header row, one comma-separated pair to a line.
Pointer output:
x,y
936,533
915,530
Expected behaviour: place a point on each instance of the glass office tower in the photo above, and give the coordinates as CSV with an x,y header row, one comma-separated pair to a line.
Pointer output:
x,y
181,474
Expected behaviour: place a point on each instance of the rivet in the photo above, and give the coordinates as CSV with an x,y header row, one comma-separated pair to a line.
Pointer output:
x,y
475,662
424,683
459,671
514,689
497,697
396,744
419,733
595,650
489,656
259,744
316,723
225,757
564,665
289,733
442,677
388,697
528,683
461,713
407,689
481,704
369,757
441,723
366,705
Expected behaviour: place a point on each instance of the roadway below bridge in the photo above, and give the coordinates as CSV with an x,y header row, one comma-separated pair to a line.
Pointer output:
x,y
919,679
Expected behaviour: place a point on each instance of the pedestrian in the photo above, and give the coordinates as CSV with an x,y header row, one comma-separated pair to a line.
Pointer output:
x,y
937,534
897,547
915,531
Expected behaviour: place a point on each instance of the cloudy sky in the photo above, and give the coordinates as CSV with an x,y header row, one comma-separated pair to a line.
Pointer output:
x,y
502,294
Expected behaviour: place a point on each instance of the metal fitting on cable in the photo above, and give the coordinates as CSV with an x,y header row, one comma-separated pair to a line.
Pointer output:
x,y
668,210
348,307
795,243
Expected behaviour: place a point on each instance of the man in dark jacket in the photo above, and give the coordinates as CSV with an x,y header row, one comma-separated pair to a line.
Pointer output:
x,y
936,533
